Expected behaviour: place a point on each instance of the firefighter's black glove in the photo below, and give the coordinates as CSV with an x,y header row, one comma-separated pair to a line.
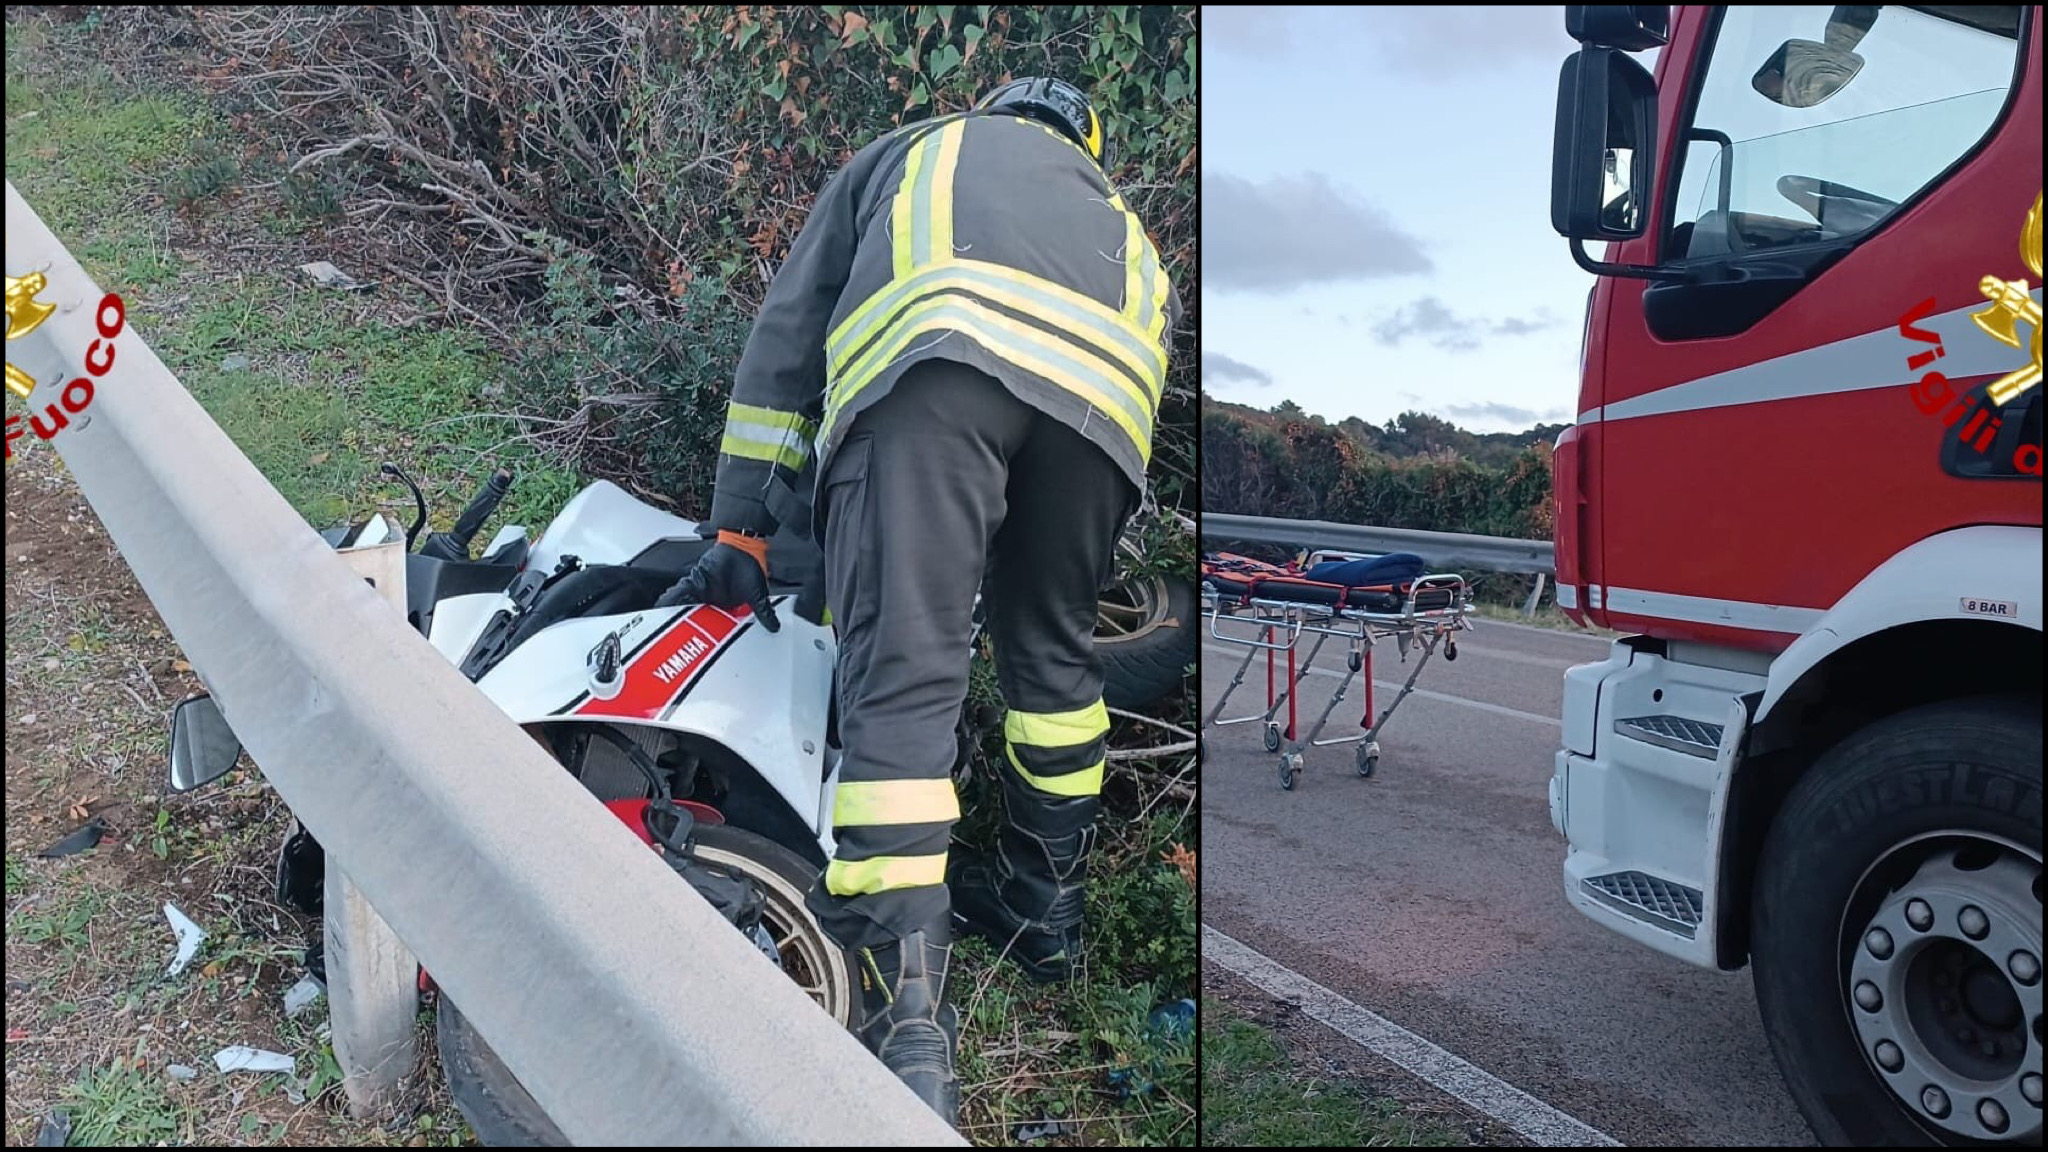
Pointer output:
x,y
733,573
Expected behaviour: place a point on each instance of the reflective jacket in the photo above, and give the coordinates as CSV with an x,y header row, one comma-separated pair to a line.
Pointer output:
x,y
982,238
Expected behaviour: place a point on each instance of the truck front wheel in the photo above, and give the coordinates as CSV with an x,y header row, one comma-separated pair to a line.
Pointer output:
x,y
1896,930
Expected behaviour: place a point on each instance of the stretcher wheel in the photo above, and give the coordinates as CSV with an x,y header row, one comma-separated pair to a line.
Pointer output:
x,y
1356,661
1368,759
1290,767
1272,737
1450,649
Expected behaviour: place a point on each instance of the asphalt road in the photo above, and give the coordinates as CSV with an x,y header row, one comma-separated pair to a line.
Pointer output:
x,y
1430,894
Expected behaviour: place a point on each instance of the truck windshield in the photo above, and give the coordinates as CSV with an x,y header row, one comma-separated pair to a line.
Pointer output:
x,y
1825,126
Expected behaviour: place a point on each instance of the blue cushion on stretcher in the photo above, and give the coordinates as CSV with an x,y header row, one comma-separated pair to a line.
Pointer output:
x,y
1396,568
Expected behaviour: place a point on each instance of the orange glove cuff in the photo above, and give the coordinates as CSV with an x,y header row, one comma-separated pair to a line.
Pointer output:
x,y
755,546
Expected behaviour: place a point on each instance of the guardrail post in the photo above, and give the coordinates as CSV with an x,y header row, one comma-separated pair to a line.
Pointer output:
x,y
1535,596
372,978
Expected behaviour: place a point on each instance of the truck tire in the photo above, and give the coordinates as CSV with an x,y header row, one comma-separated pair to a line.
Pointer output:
x,y
499,1109
1146,633
1896,930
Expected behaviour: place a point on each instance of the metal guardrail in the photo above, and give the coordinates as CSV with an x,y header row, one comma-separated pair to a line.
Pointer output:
x,y
1441,549
620,999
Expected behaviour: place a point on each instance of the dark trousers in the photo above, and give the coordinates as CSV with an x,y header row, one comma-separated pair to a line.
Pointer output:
x,y
947,477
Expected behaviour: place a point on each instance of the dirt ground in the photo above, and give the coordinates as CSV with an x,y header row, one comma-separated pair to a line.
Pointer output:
x,y
96,1032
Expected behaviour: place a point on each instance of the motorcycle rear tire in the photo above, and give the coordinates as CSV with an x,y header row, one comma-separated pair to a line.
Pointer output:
x,y
491,1098
1146,637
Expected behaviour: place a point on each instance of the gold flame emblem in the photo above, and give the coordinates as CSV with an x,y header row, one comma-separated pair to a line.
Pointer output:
x,y
24,314
2011,306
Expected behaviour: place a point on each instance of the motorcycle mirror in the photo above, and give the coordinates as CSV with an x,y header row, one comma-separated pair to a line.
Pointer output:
x,y
203,747
419,501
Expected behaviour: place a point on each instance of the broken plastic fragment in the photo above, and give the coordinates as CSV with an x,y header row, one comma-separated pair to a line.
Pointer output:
x,y
302,994
190,936
86,835
242,1058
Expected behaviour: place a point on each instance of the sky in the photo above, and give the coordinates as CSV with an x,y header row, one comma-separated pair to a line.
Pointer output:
x,y
1376,214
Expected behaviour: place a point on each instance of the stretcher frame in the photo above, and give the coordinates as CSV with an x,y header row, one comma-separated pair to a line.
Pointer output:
x,y
1278,626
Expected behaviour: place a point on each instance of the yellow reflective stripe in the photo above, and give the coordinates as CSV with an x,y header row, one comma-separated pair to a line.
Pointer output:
x,y
1056,729
737,443
939,214
1086,782
772,417
869,802
902,215
1156,327
770,434
1132,402
1072,311
1135,293
883,874
1061,362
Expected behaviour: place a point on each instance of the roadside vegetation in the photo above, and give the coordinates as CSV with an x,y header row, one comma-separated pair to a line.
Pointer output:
x,y
1259,1090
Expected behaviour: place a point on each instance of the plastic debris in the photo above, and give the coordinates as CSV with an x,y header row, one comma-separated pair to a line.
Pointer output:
x,y
56,1131
86,835
300,996
234,362
190,937
328,276
1044,1130
242,1058
1169,1027
181,1072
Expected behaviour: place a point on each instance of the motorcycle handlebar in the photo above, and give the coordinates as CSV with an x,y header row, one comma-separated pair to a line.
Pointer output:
x,y
481,506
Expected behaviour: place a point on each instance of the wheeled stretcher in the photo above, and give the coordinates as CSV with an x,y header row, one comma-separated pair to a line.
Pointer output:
x,y
1280,605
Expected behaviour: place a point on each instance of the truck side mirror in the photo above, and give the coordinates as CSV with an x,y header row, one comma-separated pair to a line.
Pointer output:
x,y
203,747
1606,147
1629,27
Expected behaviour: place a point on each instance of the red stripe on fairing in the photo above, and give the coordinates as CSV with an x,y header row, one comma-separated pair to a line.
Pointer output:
x,y
665,669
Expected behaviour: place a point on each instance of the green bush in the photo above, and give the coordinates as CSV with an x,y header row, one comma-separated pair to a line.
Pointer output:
x,y
1305,469
611,188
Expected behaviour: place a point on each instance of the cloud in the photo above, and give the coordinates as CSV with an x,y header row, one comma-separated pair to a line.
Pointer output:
x,y
1263,31
1295,231
1436,41
1518,326
1505,413
1222,369
1431,319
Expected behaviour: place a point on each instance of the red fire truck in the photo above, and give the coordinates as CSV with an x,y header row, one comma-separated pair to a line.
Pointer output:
x,y
1805,480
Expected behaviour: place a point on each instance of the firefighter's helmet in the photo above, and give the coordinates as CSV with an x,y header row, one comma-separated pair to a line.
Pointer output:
x,y
1052,102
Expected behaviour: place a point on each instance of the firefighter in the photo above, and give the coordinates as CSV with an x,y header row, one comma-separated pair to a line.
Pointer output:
x,y
971,332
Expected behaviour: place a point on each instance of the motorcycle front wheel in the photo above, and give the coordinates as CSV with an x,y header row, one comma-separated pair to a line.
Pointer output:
x,y
504,1115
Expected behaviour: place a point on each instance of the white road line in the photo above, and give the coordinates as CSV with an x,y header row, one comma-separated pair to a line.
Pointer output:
x,y
1536,1121
1482,705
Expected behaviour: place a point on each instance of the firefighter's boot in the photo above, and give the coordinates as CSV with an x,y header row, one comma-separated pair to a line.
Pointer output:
x,y
1028,900
905,1018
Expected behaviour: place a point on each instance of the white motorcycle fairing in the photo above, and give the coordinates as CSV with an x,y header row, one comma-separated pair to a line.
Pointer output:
x,y
695,670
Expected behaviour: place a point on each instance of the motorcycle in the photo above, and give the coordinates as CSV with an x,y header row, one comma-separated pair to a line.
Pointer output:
x,y
657,711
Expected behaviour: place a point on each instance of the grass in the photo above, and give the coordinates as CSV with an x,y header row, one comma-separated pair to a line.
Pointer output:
x,y
1254,1094
317,387
1547,615
121,1105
